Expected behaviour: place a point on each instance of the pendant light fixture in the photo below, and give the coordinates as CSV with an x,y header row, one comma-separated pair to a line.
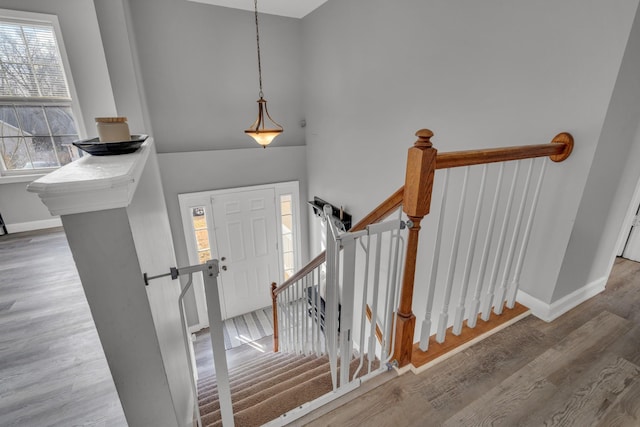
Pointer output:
x,y
259,130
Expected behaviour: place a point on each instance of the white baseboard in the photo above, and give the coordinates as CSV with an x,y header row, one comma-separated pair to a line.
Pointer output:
x,y
550,312
19,227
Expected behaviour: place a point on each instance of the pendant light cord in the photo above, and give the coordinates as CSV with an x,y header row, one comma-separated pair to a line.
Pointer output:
x,y
255,2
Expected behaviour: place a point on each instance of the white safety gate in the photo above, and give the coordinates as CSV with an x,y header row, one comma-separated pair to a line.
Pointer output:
x,y
326,312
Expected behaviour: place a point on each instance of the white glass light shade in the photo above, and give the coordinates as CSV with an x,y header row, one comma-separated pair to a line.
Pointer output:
x,y
258,131
264,138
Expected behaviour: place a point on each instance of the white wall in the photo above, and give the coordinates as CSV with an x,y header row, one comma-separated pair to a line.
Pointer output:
x,y
611,183
479,74
220,169
199,68
20,209
139,326
154,248
114,18
83,45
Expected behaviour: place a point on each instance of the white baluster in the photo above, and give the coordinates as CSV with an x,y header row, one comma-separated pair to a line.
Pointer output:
x,y
347,301
426,323
299,310
331,324
500,295
284,335
444,314
309,306
303,317
486,310
296,321
363,308
321,343
394,247
475,303
284,314
374,303
396,296
513,289
290,319
459,317
282,319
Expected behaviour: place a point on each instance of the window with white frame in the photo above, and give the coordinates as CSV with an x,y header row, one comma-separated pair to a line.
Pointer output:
x,y
37,120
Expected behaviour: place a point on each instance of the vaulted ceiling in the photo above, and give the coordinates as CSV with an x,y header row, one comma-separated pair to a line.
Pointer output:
x,y
291,8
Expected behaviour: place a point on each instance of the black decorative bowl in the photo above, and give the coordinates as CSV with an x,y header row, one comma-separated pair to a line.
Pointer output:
x,y
94,147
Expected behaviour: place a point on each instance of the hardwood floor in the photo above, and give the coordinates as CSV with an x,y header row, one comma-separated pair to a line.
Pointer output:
x,y
53,371
581,370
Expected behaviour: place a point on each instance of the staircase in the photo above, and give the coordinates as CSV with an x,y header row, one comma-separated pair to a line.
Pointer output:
x,y
268,386
358,295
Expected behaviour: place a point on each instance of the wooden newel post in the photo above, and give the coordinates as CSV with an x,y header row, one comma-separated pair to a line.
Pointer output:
x,y
274,302
421,166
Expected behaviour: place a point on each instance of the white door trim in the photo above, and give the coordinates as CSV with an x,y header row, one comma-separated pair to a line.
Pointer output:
x,y
627,224
187,200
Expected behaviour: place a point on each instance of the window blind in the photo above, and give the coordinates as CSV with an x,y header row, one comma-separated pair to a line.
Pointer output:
x,y
30,63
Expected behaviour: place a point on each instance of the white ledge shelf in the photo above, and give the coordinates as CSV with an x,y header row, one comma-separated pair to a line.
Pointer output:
x,y
93,183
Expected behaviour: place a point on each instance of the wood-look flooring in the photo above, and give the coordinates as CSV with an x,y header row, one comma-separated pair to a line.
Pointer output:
x,y
53,371
581,370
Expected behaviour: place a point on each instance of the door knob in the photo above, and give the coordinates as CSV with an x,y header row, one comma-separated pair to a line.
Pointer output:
x,y
224,268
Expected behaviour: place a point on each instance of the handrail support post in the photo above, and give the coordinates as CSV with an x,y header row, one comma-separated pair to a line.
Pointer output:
x,y
421,166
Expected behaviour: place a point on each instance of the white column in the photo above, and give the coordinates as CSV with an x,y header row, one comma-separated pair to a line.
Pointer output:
x,y
114,214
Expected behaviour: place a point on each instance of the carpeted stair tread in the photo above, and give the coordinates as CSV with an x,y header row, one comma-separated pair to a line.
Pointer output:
x,y
252,386
209,381
281,398
300,393
267,357
257,357
243,380
263,359
270,359
270,382
275,362
264,394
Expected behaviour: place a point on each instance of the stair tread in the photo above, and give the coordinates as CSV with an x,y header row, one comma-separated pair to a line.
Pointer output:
x,y
262,359
270,396
268,379
240,380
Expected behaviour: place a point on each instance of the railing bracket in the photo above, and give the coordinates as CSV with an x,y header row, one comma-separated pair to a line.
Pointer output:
x,y
409,223
173,272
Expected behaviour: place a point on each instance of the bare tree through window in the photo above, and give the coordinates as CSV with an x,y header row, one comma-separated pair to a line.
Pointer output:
x,y
37,124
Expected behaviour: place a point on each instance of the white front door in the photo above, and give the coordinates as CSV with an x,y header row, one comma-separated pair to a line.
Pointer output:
x,y
241,225
246,245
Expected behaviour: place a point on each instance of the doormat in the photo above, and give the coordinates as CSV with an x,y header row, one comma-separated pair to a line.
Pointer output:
x,y
248,327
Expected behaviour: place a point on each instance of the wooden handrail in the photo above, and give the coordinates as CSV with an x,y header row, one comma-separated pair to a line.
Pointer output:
x,y
422,161
558,150
415,197
382,211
